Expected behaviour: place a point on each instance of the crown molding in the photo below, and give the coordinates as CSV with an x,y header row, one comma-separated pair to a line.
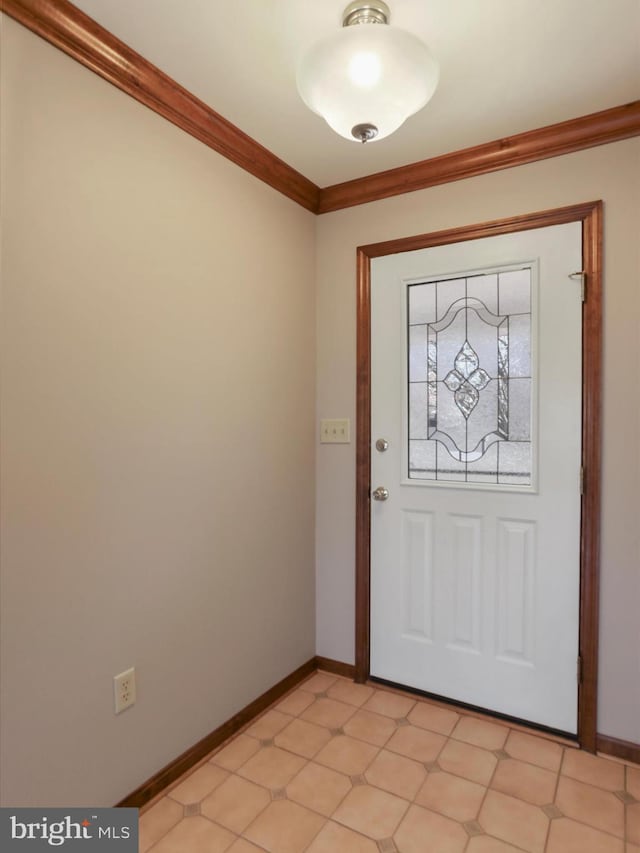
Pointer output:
x,y
63,25
66,27
563,138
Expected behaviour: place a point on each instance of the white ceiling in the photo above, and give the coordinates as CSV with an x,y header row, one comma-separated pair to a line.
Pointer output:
x,y
506,66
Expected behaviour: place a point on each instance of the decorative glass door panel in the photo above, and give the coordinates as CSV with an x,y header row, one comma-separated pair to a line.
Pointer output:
x,y
470,379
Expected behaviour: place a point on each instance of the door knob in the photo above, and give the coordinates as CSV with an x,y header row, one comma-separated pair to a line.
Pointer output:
x,y
380,494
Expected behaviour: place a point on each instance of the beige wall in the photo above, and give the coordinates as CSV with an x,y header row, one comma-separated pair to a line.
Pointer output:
x,y
611,173
158,332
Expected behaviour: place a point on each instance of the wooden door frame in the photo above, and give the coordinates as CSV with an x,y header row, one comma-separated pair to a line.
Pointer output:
x,y
590,215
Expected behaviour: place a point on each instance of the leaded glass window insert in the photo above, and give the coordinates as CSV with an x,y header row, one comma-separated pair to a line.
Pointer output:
x,y
470,379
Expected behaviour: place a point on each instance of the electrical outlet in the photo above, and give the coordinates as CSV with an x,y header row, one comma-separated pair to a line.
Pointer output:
x,y
124,688
334,431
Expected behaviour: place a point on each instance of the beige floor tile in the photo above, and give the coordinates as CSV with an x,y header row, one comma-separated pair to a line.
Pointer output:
x,y
268,725
319,683
352,694
243,846
334,838
347,755
424,831
236,803
374,728
633,782
272,767
593,821
593,806
481,733
519,779
319,788
633,823
593,770
452,796
234,754
200,783
284,827
469,761
329,713
370,811
303,738
433,718
295,703
535,750
195,833
389,704
416,743
396,774
487,844
567,836
519,823
157,821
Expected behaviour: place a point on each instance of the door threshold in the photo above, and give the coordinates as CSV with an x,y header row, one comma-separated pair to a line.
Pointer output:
x,y
556,735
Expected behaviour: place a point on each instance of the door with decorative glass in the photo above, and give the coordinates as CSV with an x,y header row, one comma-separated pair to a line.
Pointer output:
x,y
475,468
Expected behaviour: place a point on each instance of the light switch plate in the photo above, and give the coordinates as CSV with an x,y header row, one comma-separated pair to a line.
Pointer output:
x,y
335,431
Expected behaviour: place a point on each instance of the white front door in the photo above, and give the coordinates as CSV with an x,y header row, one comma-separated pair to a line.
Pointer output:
x,y
476,391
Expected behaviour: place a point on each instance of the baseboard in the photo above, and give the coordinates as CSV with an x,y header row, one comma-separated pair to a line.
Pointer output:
x,y
157,783
337,667
624,749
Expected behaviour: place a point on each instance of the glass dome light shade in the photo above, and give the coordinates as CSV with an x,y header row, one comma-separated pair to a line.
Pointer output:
x,y
367,74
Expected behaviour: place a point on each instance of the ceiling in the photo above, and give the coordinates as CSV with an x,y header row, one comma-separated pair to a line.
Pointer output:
x,y
506,66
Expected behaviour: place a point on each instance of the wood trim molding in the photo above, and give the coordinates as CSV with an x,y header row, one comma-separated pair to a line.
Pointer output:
x,y
566,137
624,749
337,667
161,780
591,461
363,463
67,28
590,214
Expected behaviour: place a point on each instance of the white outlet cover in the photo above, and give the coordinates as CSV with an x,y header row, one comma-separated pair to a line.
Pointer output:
x,y
124,690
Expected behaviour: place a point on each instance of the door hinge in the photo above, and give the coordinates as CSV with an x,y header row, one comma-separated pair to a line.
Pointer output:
x,y
579,669
582,479
582,275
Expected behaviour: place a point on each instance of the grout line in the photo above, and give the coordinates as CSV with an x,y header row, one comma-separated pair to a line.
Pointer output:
x,y
502,841
253,820
486,792
555,794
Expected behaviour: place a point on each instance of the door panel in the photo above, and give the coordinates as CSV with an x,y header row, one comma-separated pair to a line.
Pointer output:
x,y
475,553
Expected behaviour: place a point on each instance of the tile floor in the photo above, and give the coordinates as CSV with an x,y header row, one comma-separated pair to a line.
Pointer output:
x,y
337,767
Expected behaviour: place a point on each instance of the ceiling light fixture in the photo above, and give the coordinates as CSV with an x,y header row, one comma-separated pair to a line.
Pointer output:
x,y
366,80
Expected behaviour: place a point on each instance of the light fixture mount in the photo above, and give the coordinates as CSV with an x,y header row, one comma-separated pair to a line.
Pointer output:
x,y
364,132
361,12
